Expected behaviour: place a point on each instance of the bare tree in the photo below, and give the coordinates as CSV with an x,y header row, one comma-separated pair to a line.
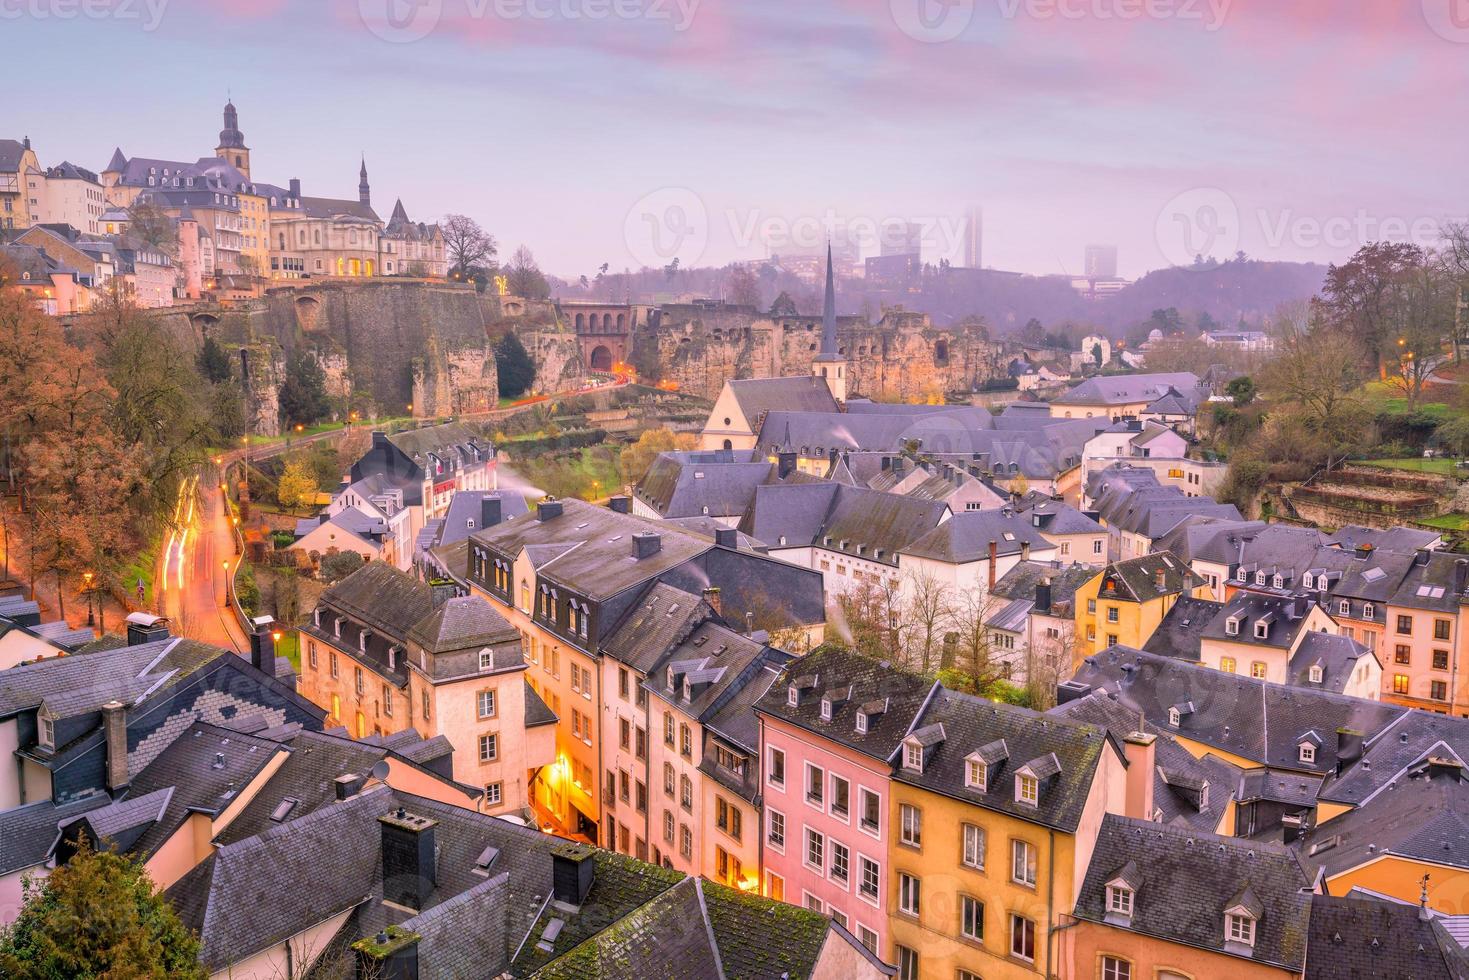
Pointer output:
x,y
1048,661
1423,313
927,611
969,646
1317,369
466,243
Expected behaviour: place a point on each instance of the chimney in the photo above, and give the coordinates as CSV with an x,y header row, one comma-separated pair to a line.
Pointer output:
x,y
548,510
296,187
1348,748
1420,557
572,867
262,645
785,465
408,858
727,537
620,504
115,728
646,544
145,628
1461,575
489,511
1025,550
390,955
348,785
1364,551
1160,579
441,592
1441,767
1140,752
1424,914
994,554
711,596
887,463
1043,596
1068,691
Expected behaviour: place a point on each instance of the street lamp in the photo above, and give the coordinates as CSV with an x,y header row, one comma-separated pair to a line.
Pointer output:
x,y
226,566
87,578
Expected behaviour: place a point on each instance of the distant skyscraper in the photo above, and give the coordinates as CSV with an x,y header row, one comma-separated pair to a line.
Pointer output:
x,y
974,238
1101,261
900,238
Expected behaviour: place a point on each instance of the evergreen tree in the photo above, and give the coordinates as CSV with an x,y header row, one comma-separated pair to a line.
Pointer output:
x,y
97,916
517,371
213,362
303,393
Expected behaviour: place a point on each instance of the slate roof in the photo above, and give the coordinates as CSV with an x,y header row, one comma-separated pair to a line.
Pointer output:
x,y
84,682
1416,817
1401,539
1337,655
28,833
693,484
465,513
795,394
463,623
829,668
387,600
1126,389
1283,616
1187,791
11,152
966,536
1412,737
1020,582
1352,938
1058,517
1182,630
1190,878
658,623
1136,579
335,208
537,711
1241,715
868,524
1052,746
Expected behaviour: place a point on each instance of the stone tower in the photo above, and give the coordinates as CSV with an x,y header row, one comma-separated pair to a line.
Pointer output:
x,y
364,192
830,364
232,146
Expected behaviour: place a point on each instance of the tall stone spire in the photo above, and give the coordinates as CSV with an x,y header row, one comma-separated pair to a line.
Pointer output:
x,y
830,363
232,146
829,312
364,193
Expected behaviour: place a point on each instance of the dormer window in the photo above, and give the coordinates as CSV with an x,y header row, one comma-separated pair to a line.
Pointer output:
x,y
668,683
45,729
1277,581
1262,630
1119,899
1367,610
861,723
1259,578
1231,626
687,688
1309,581
1204,796
793,696
976,774
1173,717
1344,608
1315,673
826,709
1027,789
1308,752
1240,928
913,756
486,658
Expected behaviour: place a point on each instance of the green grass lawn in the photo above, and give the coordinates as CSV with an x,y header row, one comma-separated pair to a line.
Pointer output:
x,y
1383,397
290,648
143,565
1441,465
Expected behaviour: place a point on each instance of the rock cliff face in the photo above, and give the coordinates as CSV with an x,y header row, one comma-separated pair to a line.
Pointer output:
x,y
903,357
382,345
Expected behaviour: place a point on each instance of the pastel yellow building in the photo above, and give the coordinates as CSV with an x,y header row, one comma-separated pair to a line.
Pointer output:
x,y
994,809
1127,600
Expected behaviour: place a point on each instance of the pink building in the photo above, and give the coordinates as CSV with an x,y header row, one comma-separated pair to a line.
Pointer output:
x,y
829,728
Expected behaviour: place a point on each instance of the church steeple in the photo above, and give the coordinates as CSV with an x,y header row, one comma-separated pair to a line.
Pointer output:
x,y
232,146
364,192
830,363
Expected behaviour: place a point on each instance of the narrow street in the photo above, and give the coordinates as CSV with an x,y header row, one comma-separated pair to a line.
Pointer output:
x,y
195,565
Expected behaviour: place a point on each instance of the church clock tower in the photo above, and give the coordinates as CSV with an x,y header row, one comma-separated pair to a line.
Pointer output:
x,y
232,146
